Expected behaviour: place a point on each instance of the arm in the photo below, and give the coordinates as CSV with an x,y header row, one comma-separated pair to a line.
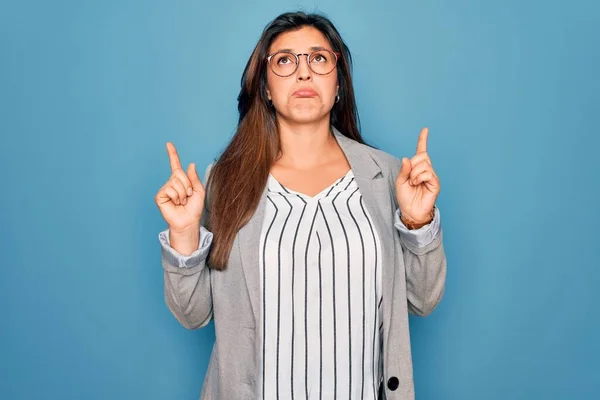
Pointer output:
x,y
424,259
188,291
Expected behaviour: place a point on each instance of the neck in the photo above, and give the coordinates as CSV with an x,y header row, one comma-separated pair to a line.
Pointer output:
x,y
306,145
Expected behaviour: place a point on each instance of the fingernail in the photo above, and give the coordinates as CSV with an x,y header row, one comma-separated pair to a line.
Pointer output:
x,y
189,192
184,202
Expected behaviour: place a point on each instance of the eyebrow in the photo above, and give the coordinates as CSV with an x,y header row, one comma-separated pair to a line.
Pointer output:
x,y
314,48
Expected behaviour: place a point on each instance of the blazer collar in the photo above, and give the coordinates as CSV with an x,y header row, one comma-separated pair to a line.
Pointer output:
x,y
360,160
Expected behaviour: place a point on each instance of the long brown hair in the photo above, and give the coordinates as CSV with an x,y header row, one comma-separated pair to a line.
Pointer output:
x,y
238,178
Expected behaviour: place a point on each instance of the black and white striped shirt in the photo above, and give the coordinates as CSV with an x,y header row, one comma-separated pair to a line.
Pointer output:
x,y
320,277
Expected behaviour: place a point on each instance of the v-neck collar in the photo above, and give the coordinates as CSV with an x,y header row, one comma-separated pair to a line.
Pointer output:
x,y
275,186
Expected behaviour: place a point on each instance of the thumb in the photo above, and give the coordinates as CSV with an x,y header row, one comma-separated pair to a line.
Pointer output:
x,y
193,177
404,171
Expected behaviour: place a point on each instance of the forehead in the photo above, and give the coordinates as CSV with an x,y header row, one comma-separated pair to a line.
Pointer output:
x,y
300,40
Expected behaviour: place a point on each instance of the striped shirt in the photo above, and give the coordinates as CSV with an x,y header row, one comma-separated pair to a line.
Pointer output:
x,y
320,277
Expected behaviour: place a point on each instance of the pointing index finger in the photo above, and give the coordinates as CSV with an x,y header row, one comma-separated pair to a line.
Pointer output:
x,y
422,143
173,157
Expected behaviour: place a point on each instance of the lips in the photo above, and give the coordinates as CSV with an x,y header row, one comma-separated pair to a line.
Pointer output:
x,y
305,93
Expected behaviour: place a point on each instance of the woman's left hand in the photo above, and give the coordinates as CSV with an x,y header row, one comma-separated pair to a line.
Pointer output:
x,y
417,185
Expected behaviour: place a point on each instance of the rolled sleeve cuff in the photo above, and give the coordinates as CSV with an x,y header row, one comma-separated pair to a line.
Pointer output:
x,y
176,259
418,237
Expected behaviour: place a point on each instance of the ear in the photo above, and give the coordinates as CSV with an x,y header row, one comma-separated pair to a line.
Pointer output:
x,y
268,94
337,90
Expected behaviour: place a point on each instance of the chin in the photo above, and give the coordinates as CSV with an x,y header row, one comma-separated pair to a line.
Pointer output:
x,y
306,115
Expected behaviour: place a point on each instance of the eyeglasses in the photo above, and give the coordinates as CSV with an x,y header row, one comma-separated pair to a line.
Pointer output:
x,y
285,63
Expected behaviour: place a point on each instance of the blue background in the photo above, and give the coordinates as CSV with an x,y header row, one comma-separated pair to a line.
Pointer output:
x,y
91,91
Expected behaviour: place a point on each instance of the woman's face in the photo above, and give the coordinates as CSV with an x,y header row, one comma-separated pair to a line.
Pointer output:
x,y
289,98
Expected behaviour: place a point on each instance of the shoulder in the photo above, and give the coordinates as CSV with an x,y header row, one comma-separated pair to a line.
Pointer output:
x,y
205,182
207,171
387,162
384,158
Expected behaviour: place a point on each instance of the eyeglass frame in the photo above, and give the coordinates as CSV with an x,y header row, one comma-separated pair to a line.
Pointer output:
x,y
335,53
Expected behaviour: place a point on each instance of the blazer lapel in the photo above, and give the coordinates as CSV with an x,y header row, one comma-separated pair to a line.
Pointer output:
x,y
375,190
249,247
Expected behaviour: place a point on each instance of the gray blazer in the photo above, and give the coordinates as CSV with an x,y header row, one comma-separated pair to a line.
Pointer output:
x,y
414,278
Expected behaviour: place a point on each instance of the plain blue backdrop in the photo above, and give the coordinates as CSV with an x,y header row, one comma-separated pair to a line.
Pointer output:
x,y
90,92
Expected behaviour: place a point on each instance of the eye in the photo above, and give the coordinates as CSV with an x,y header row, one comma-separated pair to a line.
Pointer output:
x,y
284,59
320,57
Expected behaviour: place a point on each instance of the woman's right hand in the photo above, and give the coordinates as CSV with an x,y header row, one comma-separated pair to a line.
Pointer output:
x,y
181,199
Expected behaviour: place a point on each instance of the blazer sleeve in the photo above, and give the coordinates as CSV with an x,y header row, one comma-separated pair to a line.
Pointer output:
x,y
424,258
187,281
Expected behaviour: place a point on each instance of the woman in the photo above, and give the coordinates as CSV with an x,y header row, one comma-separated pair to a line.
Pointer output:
x,y
320,245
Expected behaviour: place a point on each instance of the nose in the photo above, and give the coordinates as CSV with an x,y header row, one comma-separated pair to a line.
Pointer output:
x,y
304,72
